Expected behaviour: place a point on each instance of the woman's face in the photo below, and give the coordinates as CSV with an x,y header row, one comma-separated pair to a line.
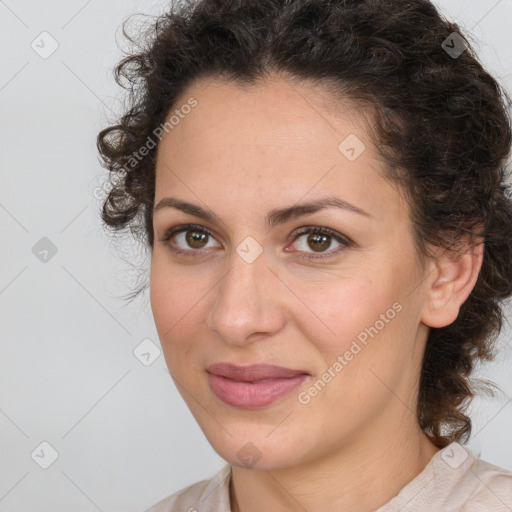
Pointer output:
x,y
350,319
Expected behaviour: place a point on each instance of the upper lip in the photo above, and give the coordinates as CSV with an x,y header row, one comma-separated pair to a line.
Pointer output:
x,y
254,372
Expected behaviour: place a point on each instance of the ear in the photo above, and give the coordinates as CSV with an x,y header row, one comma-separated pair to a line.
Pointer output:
x,y
453,275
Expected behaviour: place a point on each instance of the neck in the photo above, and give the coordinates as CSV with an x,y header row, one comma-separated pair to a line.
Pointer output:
x,y
360,476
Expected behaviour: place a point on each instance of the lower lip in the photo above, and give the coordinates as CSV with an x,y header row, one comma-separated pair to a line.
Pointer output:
x,y
248,395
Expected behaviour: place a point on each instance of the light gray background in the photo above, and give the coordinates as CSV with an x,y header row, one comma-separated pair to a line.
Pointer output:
x,y
68,375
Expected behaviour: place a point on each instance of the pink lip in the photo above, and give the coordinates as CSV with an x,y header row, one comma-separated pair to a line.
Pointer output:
x,y
252,386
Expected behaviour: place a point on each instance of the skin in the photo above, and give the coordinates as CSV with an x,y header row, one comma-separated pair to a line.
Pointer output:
x,y
242,152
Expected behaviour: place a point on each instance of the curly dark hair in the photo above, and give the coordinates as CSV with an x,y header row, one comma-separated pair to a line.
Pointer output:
x,y
440,122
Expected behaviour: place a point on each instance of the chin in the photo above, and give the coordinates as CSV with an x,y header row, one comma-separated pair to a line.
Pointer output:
x,y
256,450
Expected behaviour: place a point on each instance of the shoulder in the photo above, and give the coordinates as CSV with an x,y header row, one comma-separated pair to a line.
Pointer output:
x,y
456,480
491,488
210,495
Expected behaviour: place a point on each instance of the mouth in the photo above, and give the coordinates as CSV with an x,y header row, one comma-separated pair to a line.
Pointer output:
x,y
253,386
253,373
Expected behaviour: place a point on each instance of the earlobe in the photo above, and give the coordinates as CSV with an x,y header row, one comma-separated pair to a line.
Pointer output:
x,y
453,277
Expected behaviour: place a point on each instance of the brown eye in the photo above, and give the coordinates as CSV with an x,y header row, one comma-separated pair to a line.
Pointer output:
x,y
319,240
187,239
196,239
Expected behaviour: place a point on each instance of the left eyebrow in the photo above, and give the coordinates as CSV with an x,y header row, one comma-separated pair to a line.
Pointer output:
x,y
282,215
274,217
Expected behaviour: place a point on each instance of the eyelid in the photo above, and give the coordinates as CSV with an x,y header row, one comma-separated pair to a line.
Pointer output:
x,y
342,239
183,228
180,228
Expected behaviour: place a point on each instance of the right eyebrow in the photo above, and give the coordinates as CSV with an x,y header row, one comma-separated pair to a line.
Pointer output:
x,y
273,218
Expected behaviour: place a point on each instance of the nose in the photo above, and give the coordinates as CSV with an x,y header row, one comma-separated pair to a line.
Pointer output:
x,y
246,307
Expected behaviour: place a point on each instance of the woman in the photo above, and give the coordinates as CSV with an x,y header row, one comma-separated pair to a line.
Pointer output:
x,y
322,188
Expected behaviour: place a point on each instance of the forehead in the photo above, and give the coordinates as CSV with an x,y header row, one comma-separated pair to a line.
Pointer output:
x,y
280,100
276,116
275,138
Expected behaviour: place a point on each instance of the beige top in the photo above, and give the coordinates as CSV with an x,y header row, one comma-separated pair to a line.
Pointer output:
x,y
453,481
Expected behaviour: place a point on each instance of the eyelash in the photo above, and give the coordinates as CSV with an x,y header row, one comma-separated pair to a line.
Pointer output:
x,y
345,241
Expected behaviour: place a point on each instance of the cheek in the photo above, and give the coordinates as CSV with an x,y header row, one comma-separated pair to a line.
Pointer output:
x,y
170,297
338,309
373,345
177,303
366,321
